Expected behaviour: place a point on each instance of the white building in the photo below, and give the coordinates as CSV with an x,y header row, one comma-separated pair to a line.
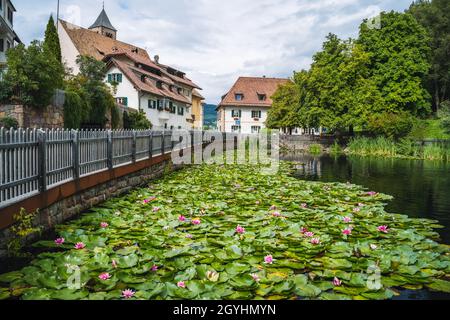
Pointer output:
x,y
8,37
162,92
244,108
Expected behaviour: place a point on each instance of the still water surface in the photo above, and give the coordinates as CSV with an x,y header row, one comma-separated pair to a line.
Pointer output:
x,y
420,188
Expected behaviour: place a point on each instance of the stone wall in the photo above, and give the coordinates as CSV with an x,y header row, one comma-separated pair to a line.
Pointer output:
x,y
13,111
72,206
28,117
302,143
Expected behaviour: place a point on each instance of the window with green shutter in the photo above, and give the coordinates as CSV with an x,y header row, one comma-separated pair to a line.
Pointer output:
x,y
123,101
115,77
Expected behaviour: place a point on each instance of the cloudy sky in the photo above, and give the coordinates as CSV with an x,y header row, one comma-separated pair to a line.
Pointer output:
x,y
216,41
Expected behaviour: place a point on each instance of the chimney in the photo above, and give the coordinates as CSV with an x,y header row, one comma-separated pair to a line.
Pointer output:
x,y
157,59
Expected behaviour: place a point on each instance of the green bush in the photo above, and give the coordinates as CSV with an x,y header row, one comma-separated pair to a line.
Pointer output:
x,y
74,110
315,149
136,121
444,114
335,148
115,117
391,125
8,123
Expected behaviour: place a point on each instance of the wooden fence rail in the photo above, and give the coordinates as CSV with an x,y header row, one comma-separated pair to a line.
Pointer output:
x,y
35,160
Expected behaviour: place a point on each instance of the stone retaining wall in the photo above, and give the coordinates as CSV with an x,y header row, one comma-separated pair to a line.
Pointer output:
x,y
28,117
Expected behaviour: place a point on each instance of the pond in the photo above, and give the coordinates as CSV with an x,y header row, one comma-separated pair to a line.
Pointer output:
x,y
233,233
420,188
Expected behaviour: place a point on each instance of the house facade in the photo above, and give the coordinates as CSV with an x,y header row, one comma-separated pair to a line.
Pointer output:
x,y
8,37
244,108
164,93
197,110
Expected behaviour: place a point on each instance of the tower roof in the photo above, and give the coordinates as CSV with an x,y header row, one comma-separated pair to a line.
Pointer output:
x,y
103,21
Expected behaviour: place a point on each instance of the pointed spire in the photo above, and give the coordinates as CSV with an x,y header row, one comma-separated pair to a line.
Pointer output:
x,y
103,21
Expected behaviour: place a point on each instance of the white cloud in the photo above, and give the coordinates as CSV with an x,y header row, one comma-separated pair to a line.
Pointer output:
x,y
215,41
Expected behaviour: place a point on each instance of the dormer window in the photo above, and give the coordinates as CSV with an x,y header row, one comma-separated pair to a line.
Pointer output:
x,y
239,97
262,97
180,90
143,77
159,85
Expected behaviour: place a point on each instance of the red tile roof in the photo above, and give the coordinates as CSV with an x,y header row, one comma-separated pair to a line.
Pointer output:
x,y
148,86
93,44
251,88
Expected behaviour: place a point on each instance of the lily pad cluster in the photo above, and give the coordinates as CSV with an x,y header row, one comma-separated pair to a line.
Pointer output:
x,y
232,232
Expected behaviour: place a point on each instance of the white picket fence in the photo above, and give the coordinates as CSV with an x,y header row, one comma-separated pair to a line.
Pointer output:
x,y
34,160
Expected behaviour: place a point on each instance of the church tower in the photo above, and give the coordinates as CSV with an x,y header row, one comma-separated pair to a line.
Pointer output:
x,y
103,26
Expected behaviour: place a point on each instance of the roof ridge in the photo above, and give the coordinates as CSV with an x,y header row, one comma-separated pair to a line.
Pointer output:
x,y
96,33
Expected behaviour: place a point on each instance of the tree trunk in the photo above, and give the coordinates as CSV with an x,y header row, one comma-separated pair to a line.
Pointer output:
x,y
351,131
437,100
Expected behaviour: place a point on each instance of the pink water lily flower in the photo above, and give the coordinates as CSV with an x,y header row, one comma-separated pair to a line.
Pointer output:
x,y
273,208
357,209
196,222
304,205
372,193
347,232
303,230
128,294
104,276
258,203
189,236
268,259
181,284
182,218
347,219
337,282
104,225
255,277
315,241
361,204
309,234
80,245
154,268
276,214
60,241
383,229
240,230
156,209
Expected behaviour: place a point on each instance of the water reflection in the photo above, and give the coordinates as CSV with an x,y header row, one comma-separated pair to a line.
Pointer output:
x,y
420,188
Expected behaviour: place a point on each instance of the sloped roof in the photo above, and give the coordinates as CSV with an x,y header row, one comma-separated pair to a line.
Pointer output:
x,y
93,44
131,73
103,21
250,88
197,94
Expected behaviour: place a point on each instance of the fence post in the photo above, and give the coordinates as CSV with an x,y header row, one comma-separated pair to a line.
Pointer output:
x,y
150,150
163,151
42,160
133,147
110,150
75,154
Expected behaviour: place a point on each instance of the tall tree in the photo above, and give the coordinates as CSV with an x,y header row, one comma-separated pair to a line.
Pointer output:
x,y
435,17
399,61
51,42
